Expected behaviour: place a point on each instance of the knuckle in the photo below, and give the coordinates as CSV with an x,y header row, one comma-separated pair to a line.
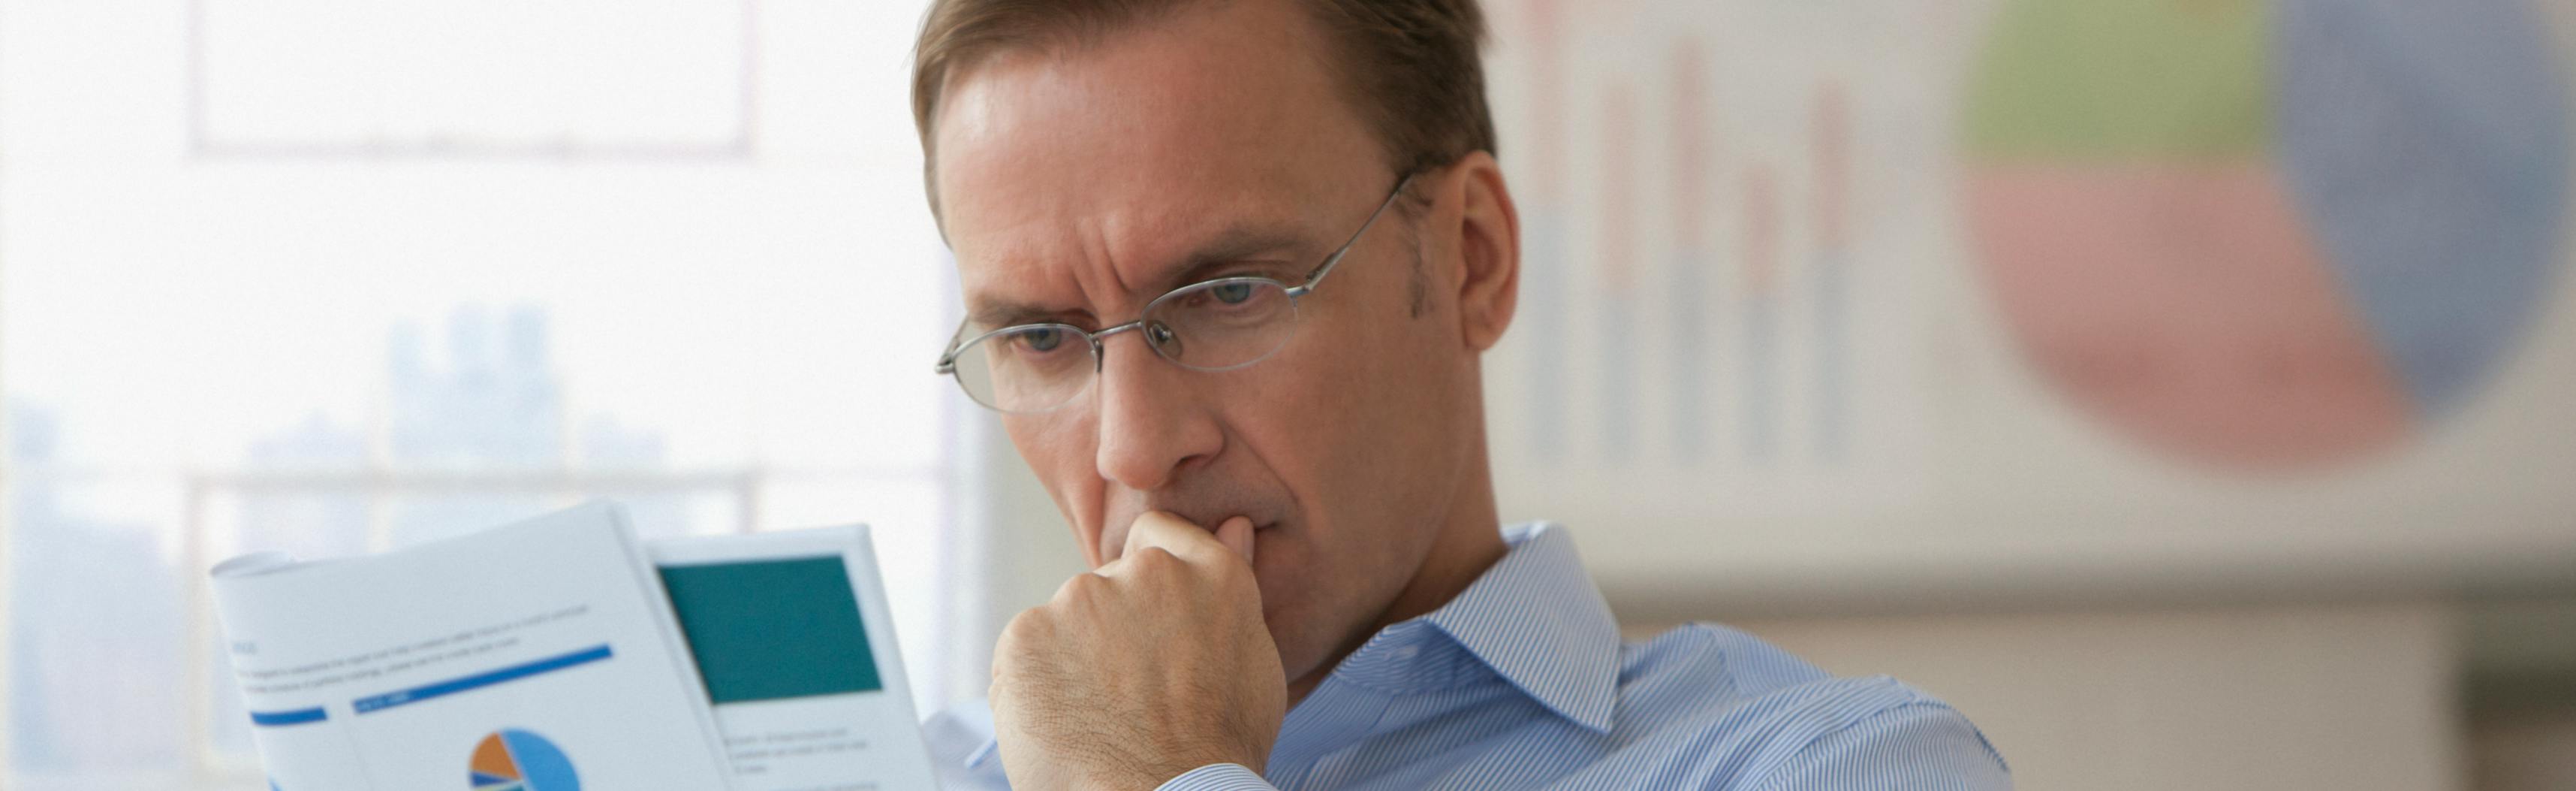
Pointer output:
x,y
1011,634
1157,560
1027,626
1080,588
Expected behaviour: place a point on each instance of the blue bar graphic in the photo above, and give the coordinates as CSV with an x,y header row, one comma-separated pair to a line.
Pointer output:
x,y
503,675
270,719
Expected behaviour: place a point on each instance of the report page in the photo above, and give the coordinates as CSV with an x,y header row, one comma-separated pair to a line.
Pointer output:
x,y
791,632
538,656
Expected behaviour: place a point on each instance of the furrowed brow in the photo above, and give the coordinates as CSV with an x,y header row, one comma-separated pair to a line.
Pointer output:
x,y
1231,248
996,315
1235,246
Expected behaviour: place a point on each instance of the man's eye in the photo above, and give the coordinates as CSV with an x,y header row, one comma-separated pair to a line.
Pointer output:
x,y
1042,340
1232,293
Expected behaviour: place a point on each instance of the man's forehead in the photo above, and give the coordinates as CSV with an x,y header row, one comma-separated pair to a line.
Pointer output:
x,y
1026,144
1226,96
1062,174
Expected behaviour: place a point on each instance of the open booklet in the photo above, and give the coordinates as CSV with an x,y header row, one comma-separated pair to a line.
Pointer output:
x,y
560,652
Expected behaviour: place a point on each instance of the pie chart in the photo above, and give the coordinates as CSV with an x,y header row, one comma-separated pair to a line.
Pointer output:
x,y
517,760
2267,234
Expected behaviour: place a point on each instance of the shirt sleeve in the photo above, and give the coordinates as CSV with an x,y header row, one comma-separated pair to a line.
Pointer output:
x,y
1218,777
1918,747
960,741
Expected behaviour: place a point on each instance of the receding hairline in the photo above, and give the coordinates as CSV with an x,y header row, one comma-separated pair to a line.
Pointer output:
x,y
941,66
961,37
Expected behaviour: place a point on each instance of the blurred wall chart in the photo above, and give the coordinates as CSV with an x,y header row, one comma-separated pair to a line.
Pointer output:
x,y
2154,287
2273,233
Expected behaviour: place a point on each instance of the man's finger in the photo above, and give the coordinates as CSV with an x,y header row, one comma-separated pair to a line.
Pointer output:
x,y
1182,538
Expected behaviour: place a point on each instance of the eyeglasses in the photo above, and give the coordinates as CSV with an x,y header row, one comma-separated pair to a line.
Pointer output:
x,y
1217,325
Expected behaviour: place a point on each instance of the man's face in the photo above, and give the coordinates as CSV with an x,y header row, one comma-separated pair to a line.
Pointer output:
x,y
1076,186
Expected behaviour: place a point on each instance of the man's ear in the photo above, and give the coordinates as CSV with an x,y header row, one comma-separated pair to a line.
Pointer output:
x,y
1488,276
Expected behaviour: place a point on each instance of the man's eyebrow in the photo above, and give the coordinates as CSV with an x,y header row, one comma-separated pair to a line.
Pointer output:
x,y
991,316
1232,247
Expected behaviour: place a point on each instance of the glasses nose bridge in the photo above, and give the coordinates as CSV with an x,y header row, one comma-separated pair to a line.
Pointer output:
x,y
1100,342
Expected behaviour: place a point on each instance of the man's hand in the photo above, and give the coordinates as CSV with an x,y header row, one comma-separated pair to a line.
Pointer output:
x,y
1151,665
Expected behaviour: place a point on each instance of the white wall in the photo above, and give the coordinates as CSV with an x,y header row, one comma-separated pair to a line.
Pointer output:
x,y
2276,698
2525,753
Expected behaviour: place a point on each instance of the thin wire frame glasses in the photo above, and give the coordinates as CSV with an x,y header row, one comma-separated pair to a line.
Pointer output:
x,y
1214,325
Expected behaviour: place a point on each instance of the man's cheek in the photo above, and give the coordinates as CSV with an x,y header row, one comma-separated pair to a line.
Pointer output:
x,y
1288,587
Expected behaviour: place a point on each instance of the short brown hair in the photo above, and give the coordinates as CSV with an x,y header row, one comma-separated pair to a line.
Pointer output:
x,y
1413,68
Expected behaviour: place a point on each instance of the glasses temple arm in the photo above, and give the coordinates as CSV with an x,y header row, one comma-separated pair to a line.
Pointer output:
x,y
948,357
1317,277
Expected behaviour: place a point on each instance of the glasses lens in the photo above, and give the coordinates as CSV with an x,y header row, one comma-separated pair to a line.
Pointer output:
x,y
1222,324
1026,369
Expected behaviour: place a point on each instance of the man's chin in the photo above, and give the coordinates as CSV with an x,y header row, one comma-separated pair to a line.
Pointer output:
x,y
1303,649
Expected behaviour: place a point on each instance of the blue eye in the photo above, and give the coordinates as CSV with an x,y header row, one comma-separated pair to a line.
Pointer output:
x,y
1042,340
1232,293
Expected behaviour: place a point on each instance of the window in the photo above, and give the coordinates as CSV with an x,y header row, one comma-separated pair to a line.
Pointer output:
x,y
331,278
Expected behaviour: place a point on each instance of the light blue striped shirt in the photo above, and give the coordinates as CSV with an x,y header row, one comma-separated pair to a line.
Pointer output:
x,y
1522,682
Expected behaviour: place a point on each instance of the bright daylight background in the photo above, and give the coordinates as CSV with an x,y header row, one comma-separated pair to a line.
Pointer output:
x,y
2179,387
329,276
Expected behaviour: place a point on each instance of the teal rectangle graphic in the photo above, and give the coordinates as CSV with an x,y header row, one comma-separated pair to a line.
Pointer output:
x,y
773,629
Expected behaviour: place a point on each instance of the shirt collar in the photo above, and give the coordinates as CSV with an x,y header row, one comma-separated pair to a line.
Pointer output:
x,y
1540,623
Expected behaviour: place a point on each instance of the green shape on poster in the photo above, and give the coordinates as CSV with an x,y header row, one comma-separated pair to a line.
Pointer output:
x,y
2123,80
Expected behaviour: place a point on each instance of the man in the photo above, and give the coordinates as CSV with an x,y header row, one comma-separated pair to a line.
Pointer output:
x,y
1229,268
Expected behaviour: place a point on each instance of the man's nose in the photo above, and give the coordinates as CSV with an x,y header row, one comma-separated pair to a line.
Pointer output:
x,y
1152,423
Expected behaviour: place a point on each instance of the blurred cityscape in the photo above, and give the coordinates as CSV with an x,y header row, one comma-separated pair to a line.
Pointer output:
x,y
98,630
